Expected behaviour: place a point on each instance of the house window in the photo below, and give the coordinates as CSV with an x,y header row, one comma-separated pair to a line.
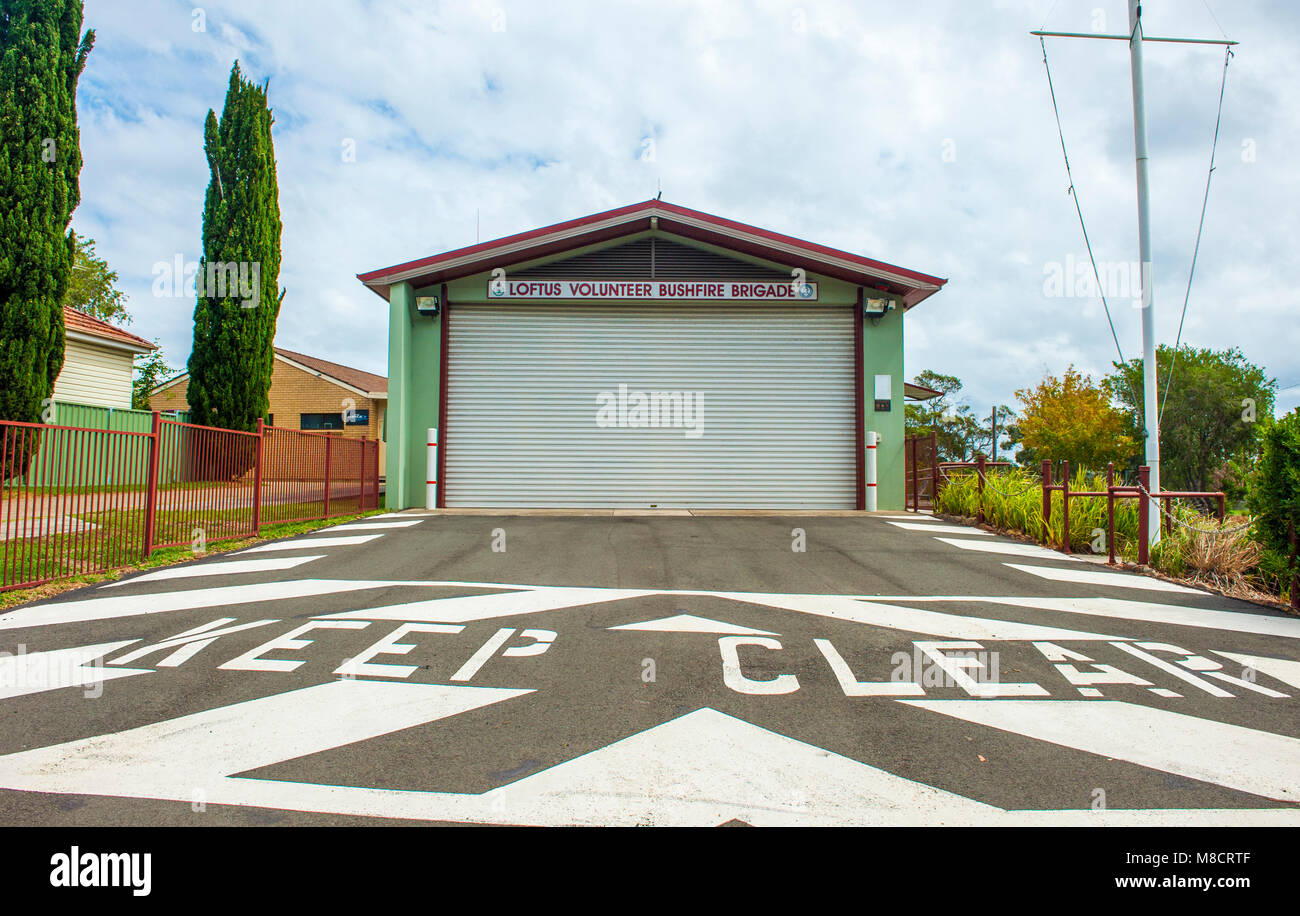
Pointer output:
x,y
320,421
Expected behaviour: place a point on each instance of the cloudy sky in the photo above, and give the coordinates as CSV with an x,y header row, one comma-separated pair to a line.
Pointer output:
x,y
917,133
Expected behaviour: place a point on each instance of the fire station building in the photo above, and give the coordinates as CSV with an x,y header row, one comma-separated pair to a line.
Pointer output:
x,y
650,356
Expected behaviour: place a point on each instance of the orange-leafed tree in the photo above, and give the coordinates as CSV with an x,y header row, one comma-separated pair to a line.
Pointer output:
x,y
1072,418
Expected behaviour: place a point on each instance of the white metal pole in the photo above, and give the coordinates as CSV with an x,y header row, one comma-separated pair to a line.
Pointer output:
x,y
871,471
431,471
1151,418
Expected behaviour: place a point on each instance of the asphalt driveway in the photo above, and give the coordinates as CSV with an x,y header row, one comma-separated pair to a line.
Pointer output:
x,y
656,669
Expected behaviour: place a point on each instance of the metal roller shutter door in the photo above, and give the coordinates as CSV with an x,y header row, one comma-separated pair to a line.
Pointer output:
x,y
523,391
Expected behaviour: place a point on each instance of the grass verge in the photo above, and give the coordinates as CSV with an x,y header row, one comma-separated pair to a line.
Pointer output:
x,y
1196,551
171,556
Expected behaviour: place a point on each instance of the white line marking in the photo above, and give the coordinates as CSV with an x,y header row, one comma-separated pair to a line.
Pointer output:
x,y
311,544
189,643
936,528
916,620
689,623
36,672
536,599
372,526
484,607
1012,549
1245,759
476,661
1176,615
704,768
197,753
1160,692
1284,670
1246,685
226,568
217,596
1118,580
853,687
1169,668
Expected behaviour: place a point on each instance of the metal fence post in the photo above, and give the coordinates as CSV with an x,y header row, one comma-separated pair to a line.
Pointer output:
x,y
934,470
364,473
916,476
1047,501
1065,505
979,488
328,442
257,479
1144,515
1110,512
151,488
374,472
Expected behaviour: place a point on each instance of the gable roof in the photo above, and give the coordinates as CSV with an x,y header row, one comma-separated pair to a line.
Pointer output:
x,y
672,219
368,382
360,381
79,325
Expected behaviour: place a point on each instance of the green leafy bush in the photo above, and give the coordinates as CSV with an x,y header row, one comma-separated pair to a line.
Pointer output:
x,y
1194,544
1275,501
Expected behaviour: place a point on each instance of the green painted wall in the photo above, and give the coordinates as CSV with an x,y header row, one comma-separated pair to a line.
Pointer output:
x,y
414,360
882,354
400,442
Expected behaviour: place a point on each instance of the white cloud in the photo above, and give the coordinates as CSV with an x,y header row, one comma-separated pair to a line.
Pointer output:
x,y
835,133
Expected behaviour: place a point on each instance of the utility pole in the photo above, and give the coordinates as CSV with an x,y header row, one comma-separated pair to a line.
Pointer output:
x,y
995,432
1150,406
1151,417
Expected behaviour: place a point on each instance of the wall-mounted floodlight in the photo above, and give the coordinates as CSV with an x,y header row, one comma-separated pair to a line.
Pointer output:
x,y
875,309
427,305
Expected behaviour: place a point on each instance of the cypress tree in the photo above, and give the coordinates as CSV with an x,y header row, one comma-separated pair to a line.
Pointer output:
x,y
42,54
234,333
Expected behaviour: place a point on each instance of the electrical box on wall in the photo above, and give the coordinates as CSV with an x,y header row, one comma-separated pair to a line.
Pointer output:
x,y
884,393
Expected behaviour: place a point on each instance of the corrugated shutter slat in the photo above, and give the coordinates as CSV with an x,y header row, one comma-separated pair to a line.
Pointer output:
x,y
778,406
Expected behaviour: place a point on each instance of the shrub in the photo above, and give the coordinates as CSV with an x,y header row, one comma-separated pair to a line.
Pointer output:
x,y
1275,500
1225,555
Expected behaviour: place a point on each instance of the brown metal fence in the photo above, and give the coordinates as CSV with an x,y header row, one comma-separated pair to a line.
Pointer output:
x,y
206,484
71,501
921,470
925,475
76,500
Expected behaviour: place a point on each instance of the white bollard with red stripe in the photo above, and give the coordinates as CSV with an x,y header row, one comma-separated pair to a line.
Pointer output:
x,y
871,471
431,473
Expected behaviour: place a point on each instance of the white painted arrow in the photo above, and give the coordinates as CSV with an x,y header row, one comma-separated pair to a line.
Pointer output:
x,y
197,753
689,623
703,768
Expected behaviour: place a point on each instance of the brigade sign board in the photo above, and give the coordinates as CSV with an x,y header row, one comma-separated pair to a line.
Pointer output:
x,y
780,290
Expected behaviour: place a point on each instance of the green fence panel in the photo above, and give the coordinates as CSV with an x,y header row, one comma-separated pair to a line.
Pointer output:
x,y
91,469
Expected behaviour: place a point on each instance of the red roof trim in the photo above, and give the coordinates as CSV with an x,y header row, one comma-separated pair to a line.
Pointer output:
x,y
632,211
501,242
82,323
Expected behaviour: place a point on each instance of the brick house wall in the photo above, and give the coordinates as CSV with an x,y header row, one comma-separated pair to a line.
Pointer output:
x,y
294,392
